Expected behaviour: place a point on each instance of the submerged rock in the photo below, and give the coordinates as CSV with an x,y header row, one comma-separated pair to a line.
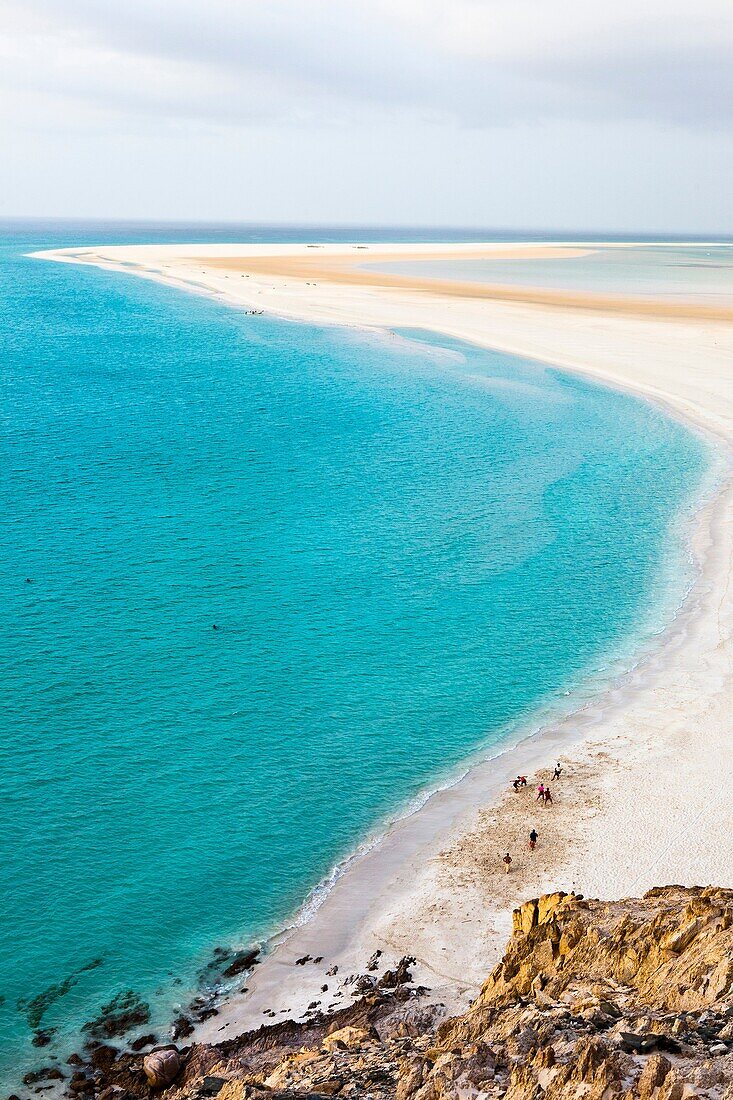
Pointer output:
x,y
115,1019
243,960
46,1073
36,1007
43,1037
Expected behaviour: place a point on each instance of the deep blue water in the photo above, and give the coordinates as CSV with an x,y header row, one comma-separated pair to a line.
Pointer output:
x,y
407,545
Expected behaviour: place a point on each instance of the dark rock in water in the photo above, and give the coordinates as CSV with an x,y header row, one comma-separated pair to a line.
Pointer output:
x,y
90,965
43,1037
243,960
181,1027
202,1008
211,1086
74,1060
35,1007
211,974
144,1041
123,1012
46,1073
102,1056
162,1067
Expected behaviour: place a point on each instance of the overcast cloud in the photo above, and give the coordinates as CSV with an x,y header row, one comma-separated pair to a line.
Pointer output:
x,y
169,77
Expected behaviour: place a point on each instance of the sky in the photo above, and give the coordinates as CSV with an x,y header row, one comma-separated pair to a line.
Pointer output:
x,y
533,114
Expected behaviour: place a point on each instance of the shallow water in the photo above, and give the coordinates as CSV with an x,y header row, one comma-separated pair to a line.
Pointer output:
x,y
689,273
407,546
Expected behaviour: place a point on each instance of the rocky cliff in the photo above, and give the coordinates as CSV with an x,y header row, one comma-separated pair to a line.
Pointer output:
x,y
592,999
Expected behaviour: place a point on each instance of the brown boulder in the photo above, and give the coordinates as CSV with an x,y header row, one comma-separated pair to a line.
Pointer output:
x,y
162,1067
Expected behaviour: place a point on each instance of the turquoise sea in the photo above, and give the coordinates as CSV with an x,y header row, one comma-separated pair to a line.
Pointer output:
x,y
409,546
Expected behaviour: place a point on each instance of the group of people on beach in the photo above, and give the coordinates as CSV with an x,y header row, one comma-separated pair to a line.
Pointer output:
x,y
544,795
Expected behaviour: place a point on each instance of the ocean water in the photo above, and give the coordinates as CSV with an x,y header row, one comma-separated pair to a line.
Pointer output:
x,y
681,272
408,547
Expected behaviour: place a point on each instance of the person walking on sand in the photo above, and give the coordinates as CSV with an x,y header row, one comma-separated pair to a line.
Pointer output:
x,y
557,771
547,797
540,792
507,861
533,838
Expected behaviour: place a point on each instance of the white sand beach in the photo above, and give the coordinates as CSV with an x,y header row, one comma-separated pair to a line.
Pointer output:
x,y
645,764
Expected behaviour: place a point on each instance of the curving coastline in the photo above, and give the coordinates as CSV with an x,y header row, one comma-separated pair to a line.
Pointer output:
x,y
431,886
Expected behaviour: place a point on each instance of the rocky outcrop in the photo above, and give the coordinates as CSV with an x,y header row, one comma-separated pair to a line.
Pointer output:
x,y
606,999
673,948
161,1067
628,1000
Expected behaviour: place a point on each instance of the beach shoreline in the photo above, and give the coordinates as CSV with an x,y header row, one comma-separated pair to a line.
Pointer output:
x,y
431,886
345,927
